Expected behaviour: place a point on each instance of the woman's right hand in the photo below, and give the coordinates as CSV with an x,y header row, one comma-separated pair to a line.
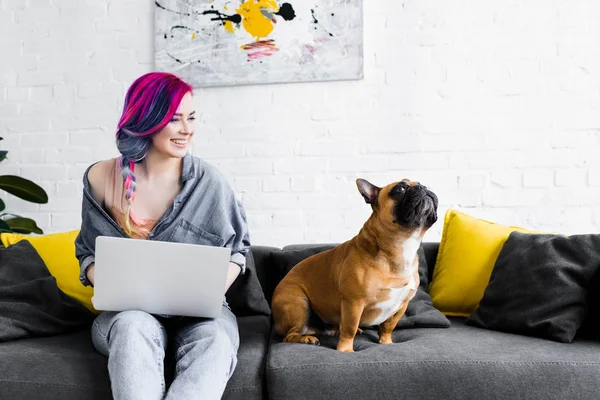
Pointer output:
x,y
90,273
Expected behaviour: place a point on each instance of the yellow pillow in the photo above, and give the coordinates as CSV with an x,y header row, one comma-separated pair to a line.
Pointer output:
x,y
467,253
57,250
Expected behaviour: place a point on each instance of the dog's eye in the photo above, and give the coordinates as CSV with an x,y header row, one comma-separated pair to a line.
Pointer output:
x,y
399,189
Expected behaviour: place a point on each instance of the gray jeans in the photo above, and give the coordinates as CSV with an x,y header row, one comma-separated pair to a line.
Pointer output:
x,y
135,342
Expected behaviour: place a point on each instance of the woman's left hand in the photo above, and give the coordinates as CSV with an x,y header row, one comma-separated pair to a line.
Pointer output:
x,y
232,273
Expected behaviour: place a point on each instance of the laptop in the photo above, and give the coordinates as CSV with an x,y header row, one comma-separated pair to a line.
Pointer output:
x,y
160,277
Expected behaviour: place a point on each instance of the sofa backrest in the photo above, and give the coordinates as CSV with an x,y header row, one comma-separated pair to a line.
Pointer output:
x,y
268,275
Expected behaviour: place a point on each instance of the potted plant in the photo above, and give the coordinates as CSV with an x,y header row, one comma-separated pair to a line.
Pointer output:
x,y
26,190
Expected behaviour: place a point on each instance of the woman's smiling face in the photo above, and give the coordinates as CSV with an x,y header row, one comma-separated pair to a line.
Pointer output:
x,y
173,140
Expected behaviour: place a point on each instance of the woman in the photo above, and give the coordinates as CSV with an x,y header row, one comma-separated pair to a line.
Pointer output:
x,y
156,190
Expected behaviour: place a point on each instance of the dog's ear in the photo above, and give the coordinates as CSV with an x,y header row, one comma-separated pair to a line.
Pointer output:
x,y
368,190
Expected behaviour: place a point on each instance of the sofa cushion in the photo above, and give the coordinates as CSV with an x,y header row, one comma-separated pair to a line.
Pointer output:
x,y
68,367
420,311
264,268
590,328
467,252
462,362
31,303
245,295
246,383
539,285
58,367
58,252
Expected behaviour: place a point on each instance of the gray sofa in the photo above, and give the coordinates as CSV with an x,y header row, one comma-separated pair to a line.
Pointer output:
x,y
460,362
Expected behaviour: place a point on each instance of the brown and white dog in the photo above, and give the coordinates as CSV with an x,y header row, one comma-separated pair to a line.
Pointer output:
x,y
366,281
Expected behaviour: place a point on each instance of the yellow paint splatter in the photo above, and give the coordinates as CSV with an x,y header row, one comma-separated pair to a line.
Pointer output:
x,y
228,26
255,23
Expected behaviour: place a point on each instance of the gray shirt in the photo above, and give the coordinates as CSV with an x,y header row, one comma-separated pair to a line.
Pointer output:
x,y
205,212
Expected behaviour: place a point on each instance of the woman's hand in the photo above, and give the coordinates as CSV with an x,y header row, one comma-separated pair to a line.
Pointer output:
x,y
232,273
90,273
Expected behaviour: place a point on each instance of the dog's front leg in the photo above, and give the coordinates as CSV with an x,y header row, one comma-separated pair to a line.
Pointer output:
x,y
387,326
351,313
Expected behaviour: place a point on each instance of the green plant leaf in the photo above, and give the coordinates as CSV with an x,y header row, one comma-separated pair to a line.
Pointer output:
x,y
23,225
23,188
3,154
2,205
6,213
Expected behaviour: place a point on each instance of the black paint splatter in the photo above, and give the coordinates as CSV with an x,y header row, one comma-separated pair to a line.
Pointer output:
x,y
316,22
286,11
175,58
182,27
165,8
235,18
174,27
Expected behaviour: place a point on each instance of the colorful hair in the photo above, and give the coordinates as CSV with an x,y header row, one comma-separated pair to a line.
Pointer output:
x,y
150,103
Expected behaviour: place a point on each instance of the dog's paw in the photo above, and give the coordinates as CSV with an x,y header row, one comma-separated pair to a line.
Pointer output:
x,y
386,340
346,346
309,340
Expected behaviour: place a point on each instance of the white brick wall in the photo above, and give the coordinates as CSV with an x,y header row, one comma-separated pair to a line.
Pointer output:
x,y
495,105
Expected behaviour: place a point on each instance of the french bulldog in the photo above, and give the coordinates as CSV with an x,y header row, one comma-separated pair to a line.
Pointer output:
x,y
366,281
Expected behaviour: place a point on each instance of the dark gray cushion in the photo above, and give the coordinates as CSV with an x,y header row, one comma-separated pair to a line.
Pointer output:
x,y
68,367
420,311
431,250
59,367
247,379
31,304
461,362
590,328
245,295
539,285
264,269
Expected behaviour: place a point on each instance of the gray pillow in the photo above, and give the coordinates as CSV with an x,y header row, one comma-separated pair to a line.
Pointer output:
x,y
590,328
245,295
420,312
540,285
31,304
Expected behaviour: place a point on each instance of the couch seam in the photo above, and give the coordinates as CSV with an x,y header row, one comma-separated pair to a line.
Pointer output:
x,y
50,384
592,363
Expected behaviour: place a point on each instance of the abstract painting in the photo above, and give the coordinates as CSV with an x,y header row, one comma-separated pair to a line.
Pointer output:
x,y
239,42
